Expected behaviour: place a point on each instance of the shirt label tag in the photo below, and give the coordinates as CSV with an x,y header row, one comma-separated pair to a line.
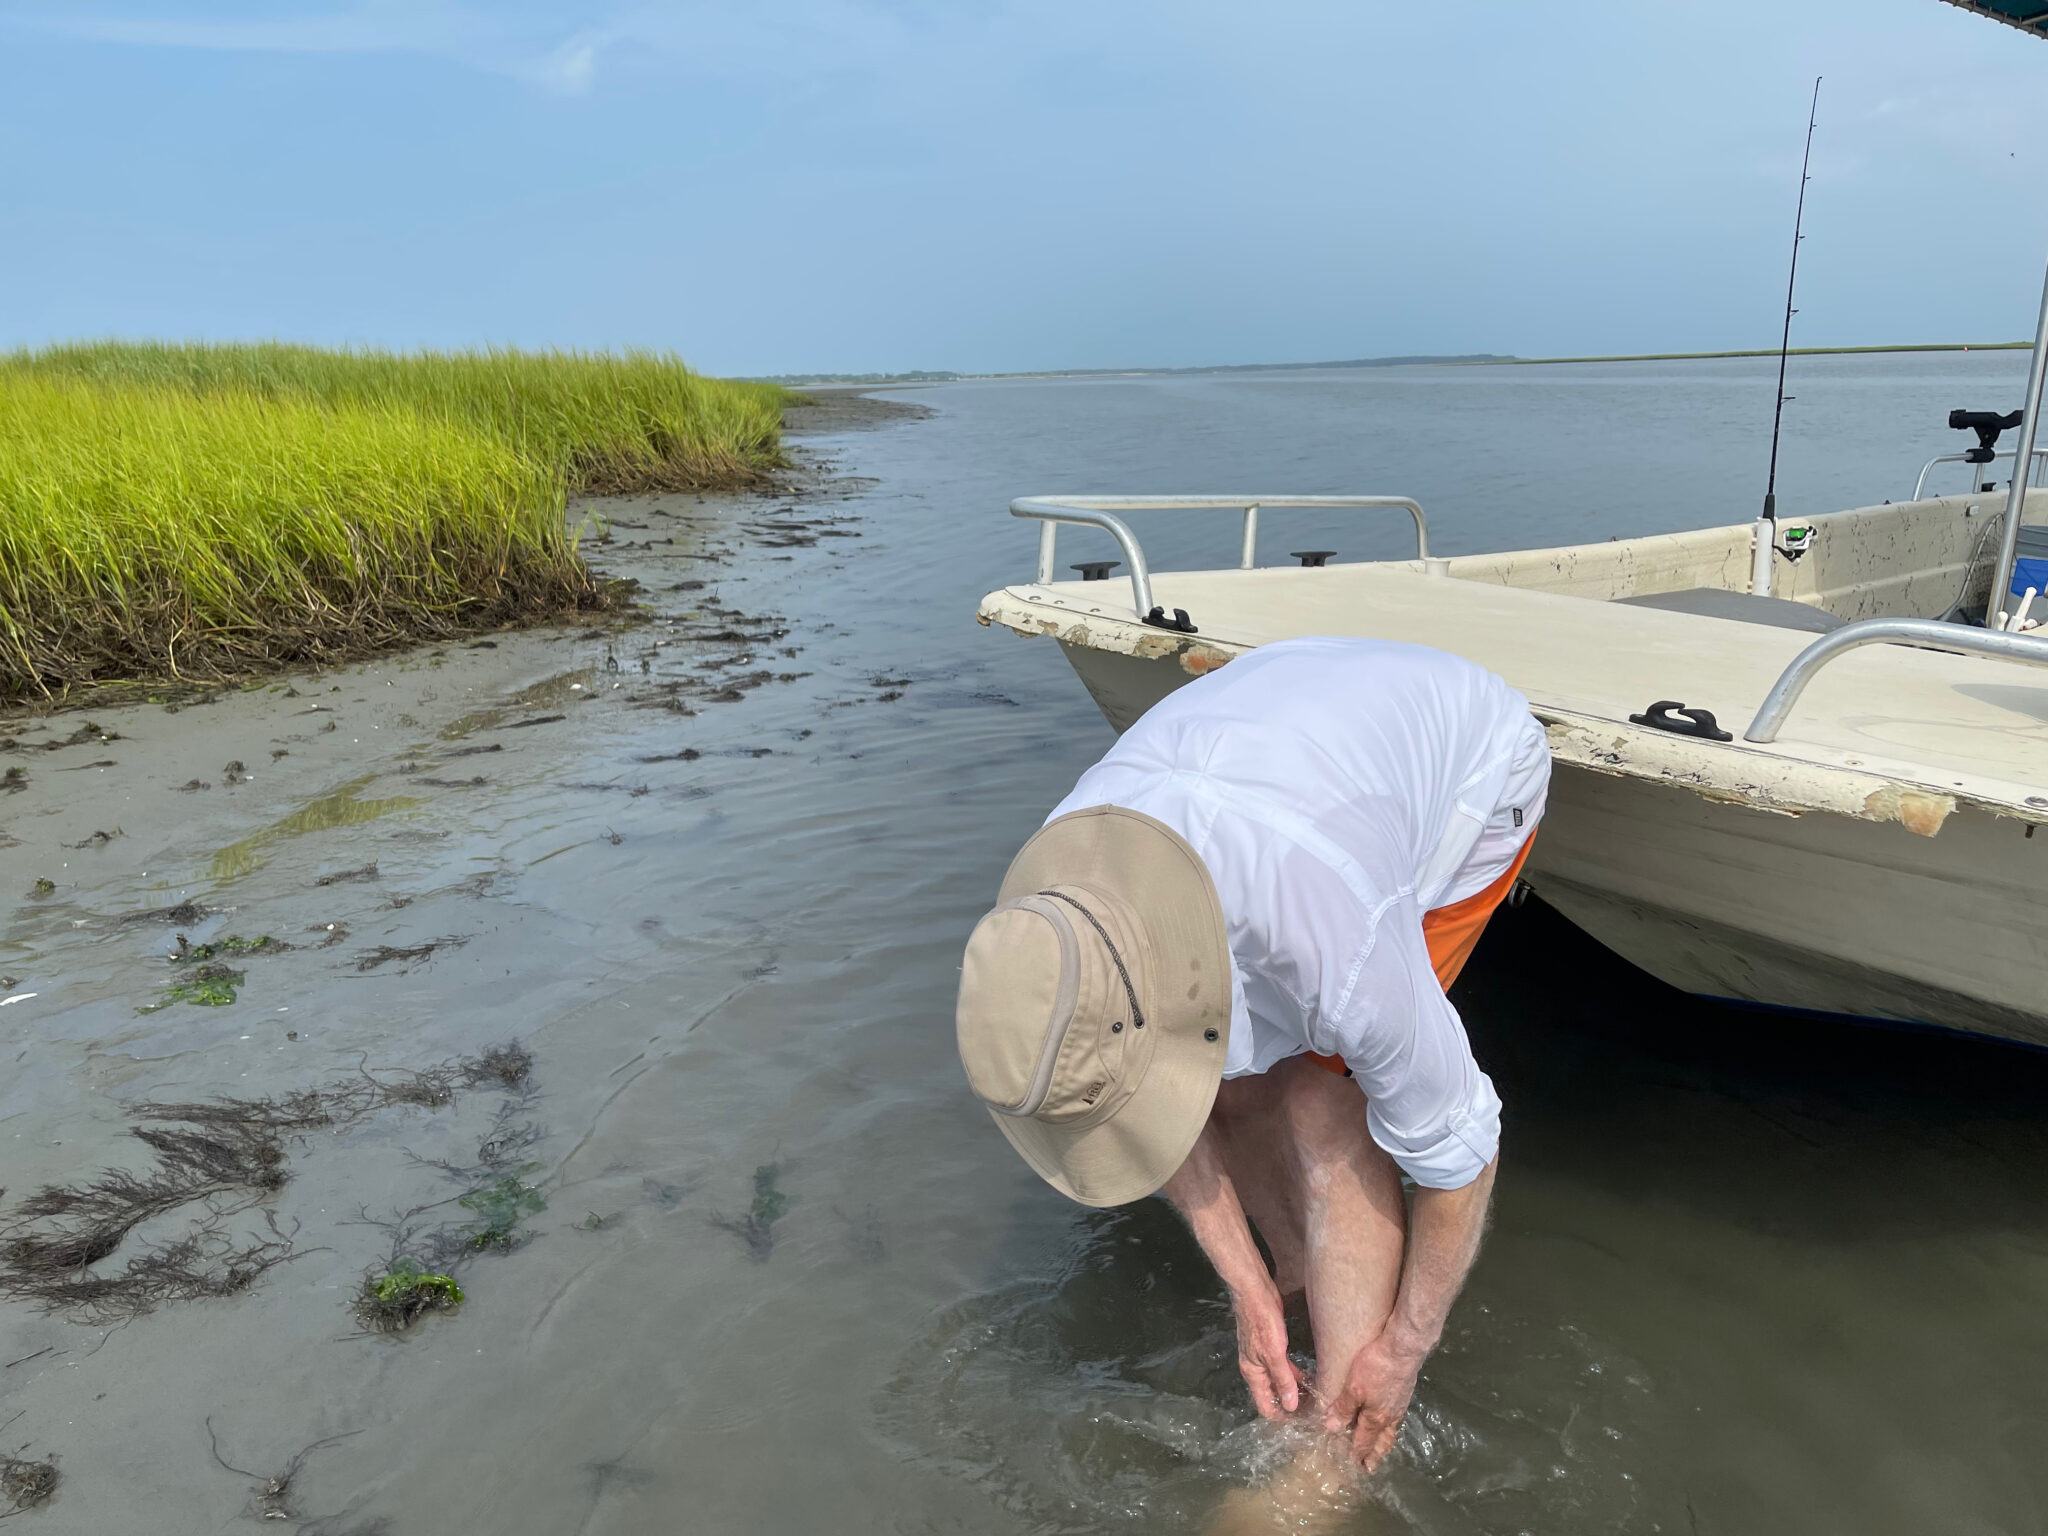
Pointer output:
x,y
1518,815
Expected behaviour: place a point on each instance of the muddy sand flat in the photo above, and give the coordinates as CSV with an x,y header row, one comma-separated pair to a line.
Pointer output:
x,y
323,910
834,408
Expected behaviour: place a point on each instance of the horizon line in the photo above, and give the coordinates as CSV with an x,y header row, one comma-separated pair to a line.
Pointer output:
x,y
1423,360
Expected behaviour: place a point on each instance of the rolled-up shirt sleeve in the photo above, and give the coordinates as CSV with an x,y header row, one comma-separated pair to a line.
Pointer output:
x,y
1428,1105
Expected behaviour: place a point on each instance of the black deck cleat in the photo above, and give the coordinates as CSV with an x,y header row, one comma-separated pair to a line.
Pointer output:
x,y
1180,623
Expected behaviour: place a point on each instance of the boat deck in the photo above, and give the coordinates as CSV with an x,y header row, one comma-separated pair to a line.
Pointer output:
x,y
1886,733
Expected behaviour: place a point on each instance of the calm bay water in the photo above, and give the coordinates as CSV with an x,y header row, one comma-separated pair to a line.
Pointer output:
x,y
1749,1273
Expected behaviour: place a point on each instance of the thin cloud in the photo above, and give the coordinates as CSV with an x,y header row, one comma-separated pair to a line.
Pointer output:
x,y
540,44
566,65
572,67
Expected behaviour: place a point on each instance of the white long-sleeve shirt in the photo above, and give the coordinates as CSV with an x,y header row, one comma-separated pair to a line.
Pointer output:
x,y
1337,790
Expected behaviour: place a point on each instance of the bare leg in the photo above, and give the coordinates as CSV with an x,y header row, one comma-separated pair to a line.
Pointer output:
x,y
1316,1492
1326,1174
1355,1217
1250,1123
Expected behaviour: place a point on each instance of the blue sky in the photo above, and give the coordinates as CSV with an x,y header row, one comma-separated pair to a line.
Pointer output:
x,y
791,185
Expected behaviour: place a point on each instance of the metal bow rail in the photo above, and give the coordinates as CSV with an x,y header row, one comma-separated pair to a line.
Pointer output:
x,y
1100,512
1920,485
1928,634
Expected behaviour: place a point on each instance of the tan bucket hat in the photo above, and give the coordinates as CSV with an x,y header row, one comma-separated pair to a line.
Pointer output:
x,y
1094,1004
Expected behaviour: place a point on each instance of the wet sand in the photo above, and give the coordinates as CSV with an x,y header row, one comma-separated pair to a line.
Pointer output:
x,y
851,410
378,825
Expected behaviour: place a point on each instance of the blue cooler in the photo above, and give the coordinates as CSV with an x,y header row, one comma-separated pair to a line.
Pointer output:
x,y
2031,568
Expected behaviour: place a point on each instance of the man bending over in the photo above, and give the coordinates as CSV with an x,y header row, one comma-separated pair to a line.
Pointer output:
x,y
1218,972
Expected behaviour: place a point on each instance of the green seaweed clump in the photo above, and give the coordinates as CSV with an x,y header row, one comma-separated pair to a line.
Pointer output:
x,y
770,1203
503,1203
233,944
211,986
399,1298
757,1227
44,886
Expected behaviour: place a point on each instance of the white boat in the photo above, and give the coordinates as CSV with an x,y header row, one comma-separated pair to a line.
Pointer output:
x,y
1866,845
1822,799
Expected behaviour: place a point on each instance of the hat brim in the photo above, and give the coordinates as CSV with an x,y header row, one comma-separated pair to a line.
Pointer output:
x,y
1152,870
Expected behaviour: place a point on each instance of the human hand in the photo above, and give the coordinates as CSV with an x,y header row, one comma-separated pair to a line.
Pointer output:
x,y
1262,1352
1375,1397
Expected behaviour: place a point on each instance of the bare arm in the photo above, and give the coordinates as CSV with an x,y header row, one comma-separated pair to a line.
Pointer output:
x,y
1443,1240
1204,1194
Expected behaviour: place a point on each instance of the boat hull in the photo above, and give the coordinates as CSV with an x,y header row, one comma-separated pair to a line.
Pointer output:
x,y
1815,912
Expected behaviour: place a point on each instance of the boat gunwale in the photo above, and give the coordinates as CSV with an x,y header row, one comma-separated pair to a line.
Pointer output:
x,y
1790,776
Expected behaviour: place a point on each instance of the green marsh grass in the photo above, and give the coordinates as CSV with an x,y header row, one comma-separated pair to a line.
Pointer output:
x,y
609,423
200,512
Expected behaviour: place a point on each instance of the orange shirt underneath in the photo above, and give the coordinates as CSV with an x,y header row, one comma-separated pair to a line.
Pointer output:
x,y
1452,933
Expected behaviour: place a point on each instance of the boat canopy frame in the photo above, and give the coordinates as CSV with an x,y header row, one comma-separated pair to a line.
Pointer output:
x,y
2030,16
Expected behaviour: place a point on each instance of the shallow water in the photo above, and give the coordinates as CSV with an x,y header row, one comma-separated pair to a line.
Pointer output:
x,y
1748,1273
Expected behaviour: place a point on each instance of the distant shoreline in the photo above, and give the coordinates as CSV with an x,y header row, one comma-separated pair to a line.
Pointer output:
x,y
1460,360
1670,357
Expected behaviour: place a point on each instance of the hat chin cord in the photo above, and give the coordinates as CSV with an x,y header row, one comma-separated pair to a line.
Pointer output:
x,y
1130,992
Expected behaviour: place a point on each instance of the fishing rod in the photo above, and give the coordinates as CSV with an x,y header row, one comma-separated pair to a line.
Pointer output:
x,y
1767,523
